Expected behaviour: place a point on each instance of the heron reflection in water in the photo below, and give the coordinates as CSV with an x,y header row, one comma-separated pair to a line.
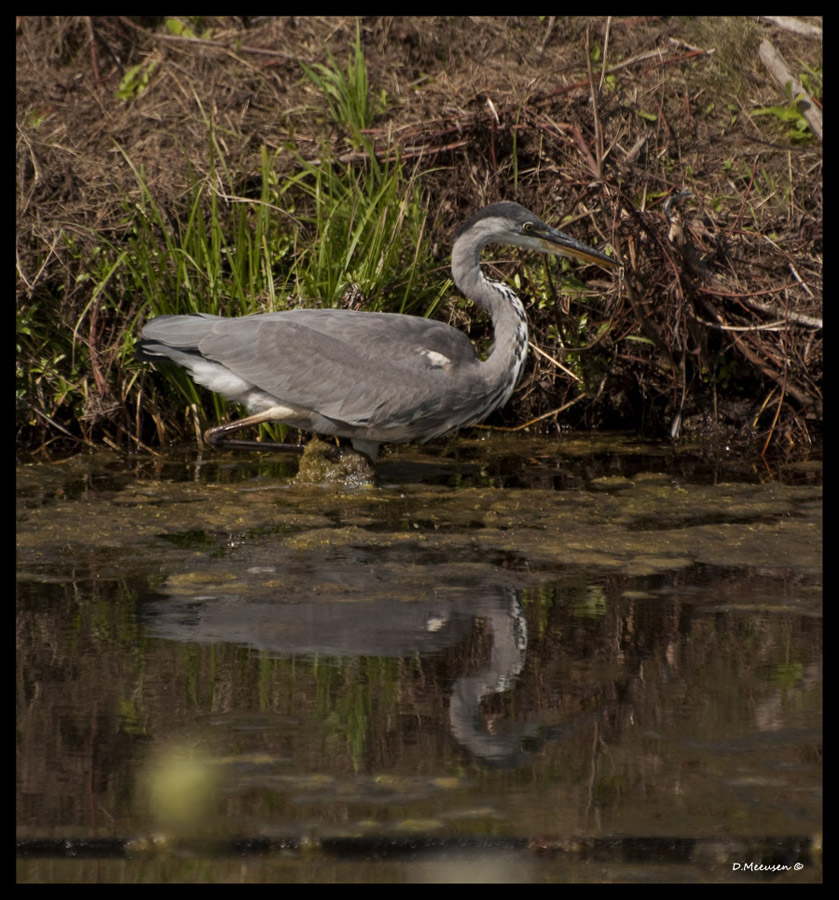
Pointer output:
x,y
370,377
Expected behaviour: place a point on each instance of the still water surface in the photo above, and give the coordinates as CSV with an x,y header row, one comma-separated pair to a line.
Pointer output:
x,y
507,662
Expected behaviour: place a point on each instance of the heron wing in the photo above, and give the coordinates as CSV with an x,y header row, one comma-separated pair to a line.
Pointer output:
x,y
355,367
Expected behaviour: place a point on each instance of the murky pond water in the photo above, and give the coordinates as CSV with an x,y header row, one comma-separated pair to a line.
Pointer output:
x,y
510,661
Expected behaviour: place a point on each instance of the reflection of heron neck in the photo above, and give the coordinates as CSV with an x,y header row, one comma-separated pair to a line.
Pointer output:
x,y
509,644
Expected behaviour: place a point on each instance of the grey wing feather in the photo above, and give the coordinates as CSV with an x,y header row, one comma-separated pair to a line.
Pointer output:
x,y
358,368
182,333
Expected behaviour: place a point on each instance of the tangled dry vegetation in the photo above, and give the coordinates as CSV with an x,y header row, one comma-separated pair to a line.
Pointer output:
x,y
663,138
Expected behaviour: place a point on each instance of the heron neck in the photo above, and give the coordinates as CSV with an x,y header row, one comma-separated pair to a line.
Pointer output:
x,y
506,358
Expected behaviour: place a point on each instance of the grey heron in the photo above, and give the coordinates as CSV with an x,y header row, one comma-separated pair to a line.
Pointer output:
x,y
371,377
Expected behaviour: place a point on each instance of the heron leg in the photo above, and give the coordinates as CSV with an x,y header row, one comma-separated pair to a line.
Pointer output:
x,y
216,437
371,448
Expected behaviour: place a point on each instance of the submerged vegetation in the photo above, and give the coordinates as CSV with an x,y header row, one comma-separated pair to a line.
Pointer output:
x,y
274,163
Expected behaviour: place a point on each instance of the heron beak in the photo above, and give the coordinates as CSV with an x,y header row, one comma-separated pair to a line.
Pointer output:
x,y
564,245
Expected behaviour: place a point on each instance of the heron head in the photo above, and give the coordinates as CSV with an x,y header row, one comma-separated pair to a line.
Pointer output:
x,y
510,223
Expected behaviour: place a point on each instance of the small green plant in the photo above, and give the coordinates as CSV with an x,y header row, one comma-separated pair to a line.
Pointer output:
x,y
812,81
136,80
790,115
347,94
182,29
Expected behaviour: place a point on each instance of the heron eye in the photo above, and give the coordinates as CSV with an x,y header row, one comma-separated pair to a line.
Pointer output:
x,y
528,226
